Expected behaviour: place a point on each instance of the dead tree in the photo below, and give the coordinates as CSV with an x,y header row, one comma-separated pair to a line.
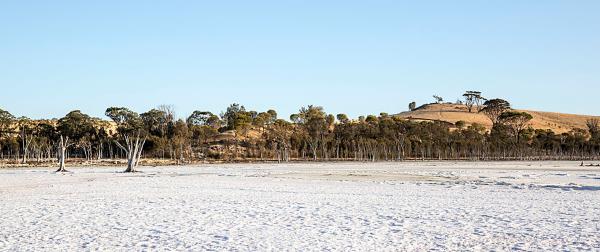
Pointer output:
x,y
62,150
130,125
133,150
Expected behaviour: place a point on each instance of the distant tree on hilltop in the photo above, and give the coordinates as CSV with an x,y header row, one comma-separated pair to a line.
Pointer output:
x,y
473,98
412,106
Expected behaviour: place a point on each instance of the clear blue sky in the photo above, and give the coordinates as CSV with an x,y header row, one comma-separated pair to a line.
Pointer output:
x,y
358,57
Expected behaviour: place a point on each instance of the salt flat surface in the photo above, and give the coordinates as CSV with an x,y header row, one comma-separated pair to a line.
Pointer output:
x,y
308,207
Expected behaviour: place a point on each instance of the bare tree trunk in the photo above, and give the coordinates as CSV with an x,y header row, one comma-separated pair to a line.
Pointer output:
x,y
62,148
133,150
139,151
100,151
26,143
314,147
181,151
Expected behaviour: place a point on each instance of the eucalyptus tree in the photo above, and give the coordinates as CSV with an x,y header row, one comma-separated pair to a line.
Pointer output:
x,y
167,112
181,136
74,129
156,124
401,137
63,144
273,115
262,120
101,136
132,133
203,125
155,121
573,142
516,121
338,133
243,122
79,130
231,116
239,120
412,106
593,126
25,130
386,137
501,140
494,108
201,118
473,141
43,140
473,98
328,138
278,137
313,121
546,143
6,121
6,130
343,118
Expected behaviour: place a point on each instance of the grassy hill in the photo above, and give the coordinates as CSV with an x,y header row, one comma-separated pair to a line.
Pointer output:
x,y
557,122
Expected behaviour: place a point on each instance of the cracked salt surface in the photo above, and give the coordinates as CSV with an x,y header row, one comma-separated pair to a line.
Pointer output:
x,y
339,206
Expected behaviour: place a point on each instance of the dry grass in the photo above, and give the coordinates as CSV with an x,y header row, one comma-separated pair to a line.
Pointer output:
x,y
452,113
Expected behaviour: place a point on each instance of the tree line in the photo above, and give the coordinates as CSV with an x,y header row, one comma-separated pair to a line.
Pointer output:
x,y
311,134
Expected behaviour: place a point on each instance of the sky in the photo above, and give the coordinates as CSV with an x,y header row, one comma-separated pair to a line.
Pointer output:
x,y
353,57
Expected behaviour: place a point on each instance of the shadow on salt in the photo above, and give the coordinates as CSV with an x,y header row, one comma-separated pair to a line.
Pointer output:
x,y
571,187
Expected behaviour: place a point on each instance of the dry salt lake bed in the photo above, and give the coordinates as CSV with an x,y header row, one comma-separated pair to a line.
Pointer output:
x,y
414,206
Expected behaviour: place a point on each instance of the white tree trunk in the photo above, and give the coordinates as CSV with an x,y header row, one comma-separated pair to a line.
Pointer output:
x,y
133,151
62,149
26,143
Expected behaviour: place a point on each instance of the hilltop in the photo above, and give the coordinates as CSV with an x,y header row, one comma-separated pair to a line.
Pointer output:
x,y
452,113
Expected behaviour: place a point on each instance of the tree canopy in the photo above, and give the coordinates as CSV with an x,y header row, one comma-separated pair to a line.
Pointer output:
x,y
494,108
310,134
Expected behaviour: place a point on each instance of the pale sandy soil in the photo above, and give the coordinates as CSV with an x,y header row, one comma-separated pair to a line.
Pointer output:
x,y
411,206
